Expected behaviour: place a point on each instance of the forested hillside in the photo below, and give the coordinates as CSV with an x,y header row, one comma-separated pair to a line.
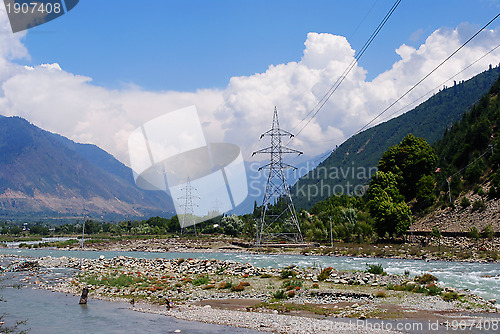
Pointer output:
x,y
360,153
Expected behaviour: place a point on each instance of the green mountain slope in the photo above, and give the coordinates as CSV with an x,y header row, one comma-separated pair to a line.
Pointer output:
x,y
351,165
469,157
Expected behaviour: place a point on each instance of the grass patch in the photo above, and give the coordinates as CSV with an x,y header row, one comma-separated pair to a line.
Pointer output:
x,y
201,280
450,296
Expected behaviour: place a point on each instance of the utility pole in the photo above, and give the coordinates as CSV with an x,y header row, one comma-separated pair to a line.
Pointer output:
x,y
449,188
278,218
331,231
188,218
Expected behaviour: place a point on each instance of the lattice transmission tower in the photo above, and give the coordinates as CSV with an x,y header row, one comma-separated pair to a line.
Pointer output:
x,y
188,218
278,218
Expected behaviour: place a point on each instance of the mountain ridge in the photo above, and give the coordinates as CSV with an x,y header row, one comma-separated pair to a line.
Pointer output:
x,y
45,175
359,154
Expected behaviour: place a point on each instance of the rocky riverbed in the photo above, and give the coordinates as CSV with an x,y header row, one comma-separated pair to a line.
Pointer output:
x,y
426,248
291,300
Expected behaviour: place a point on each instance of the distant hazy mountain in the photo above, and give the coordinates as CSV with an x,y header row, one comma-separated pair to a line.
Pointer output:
x,y
44,175
350,165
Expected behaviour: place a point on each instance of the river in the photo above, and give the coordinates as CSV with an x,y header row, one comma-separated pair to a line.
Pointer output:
x,y
480,278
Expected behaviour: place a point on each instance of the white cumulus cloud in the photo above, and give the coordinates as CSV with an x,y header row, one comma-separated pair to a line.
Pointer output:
x,y
73,106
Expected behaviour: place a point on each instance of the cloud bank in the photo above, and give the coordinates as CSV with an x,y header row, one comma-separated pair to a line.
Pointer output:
x,y
73,106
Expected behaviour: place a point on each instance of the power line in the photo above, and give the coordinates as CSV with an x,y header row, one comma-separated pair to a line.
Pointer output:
x,y
342,77
422,96
429,74
444,82
421,80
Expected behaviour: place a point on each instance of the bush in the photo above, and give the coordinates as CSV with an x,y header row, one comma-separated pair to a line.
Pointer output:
x,y
464,202
237,288
325,273
286,273
433,290
265,276
426,279
280,294
478,205
450,296
374,269
481,192
473,233
492,192
225,285
315,286
488,232
292,284
244,284
291,294
380,294
208,287
200,280
436,233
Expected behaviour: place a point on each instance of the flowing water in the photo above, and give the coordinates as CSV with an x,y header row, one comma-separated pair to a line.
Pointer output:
x,y
480,278
42,309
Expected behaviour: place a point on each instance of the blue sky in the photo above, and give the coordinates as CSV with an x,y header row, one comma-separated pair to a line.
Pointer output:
x,y
189,45
105,68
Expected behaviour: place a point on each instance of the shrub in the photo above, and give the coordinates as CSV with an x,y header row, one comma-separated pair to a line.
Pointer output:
x,y
315,286
426,279
492,192
325,273
265,276
419,289
488,232
380,294
208,287
237,288
464,202
220,271
225,285
433,290
280,294
200,280
374,269
292,284
436,233
244,284
450,296
286,273
473,233
481,192
291,293
478,205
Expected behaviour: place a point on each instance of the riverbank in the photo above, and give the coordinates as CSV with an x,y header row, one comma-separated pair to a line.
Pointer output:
x,y
269,299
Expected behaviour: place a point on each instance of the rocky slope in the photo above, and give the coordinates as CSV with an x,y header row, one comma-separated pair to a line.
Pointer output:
x,y
41,176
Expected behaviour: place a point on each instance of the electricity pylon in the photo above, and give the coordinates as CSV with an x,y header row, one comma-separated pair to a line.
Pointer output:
x,y
188,218
278,216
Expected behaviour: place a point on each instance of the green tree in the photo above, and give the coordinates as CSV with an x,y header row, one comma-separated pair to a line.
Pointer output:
x,y
425,192
409,161
390,213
